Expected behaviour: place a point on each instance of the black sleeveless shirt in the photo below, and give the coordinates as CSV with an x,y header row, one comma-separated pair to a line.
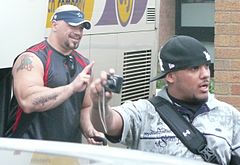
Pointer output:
x,y
63,122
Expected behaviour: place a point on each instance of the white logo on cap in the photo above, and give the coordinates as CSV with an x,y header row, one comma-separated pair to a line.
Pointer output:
x,y
161,64
79,15
207,55
171,66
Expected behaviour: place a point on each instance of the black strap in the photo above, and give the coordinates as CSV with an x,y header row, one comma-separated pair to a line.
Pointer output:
x,y
185,131
235,160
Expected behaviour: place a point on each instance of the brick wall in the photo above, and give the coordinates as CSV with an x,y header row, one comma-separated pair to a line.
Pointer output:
x,y
167,20
227,51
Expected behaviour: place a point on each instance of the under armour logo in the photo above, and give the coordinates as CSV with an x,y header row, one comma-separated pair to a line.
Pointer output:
x,y
186,133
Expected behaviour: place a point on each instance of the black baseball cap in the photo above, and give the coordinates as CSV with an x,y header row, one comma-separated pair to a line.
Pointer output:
x,y
181,52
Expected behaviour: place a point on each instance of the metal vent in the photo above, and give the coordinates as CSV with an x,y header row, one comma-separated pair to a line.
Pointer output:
x,y
151,15
136,74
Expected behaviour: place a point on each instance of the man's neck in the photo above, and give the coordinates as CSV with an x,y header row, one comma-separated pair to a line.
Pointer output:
x,y
54,44
193,106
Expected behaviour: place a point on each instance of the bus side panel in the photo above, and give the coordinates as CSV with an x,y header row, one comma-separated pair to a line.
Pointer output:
x,y
131,55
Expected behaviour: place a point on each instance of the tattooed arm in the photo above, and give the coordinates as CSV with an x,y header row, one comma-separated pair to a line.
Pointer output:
x,y
29,87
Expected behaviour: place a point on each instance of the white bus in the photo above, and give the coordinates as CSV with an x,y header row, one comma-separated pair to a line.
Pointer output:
x,y
124,36
40,152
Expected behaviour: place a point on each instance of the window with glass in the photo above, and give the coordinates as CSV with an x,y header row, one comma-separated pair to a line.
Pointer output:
x,y
195,18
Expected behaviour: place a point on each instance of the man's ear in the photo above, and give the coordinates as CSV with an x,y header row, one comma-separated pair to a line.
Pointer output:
x,y
54,25
170,77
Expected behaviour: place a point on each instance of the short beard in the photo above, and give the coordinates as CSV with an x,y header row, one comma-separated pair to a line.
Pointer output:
x,y
196,101
75,45
72,46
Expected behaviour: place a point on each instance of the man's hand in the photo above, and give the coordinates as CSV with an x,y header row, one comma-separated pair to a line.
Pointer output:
x,y
83,79
97,88
96,138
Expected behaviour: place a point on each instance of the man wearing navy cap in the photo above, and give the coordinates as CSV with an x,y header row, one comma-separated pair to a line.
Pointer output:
x,y
50,81
71,15
136,124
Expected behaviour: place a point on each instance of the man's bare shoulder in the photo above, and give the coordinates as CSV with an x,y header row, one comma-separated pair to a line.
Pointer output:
x,y
27,62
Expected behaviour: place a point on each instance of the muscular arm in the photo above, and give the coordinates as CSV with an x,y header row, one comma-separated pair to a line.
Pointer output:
x,y
29,87
86,124
114,122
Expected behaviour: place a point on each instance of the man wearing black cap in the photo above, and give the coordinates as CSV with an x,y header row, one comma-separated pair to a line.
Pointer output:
x,y
136,124
50,82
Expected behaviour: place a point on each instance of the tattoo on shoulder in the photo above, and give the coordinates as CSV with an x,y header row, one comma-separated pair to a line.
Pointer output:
x,y
43,99
26,63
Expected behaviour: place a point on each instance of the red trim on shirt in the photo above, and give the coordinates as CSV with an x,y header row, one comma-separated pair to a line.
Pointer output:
x,y
45,77
18,117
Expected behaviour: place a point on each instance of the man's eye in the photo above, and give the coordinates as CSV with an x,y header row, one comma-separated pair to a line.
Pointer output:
x,y
207,66
195,68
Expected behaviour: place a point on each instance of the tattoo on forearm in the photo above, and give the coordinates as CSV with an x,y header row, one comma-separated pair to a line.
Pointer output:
x,y
42,100
26,63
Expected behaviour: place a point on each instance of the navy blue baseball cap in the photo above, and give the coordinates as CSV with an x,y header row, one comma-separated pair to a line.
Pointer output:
x,y
181,52
71,15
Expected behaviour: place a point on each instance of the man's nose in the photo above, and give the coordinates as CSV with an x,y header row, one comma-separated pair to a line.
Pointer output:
x,y
205,71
